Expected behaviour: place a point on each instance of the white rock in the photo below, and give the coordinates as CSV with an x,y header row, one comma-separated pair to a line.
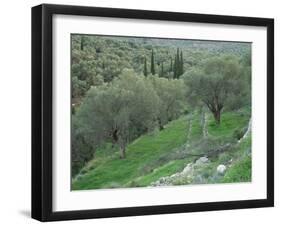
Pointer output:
x,y
187,169
221,169
202,160
175,175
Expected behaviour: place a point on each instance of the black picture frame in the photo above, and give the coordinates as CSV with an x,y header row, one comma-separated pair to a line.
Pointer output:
x,y
42,111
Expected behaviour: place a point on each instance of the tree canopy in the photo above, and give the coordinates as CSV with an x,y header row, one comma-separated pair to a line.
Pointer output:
x,y
216,83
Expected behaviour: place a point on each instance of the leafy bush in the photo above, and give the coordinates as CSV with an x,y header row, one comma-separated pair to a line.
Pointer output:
x,y
224,158
239,133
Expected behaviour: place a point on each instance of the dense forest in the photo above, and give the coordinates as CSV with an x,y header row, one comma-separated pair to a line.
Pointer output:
x,y
153,112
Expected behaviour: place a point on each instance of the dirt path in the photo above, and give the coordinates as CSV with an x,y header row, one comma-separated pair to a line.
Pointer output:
x,y
189,121
204,124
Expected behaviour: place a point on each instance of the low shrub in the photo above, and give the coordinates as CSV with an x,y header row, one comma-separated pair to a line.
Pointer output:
x,y
239,133
224,158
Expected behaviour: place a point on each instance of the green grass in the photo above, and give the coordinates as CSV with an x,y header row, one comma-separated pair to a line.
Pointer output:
x,y
230,121
113,171
239,172
165,170
196,128
154,155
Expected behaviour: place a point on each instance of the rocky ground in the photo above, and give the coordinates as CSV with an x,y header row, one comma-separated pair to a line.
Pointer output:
x,y
192,173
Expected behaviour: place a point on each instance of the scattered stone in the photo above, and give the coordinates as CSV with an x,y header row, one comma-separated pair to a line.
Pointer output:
x,y
175,175
162,180
187,169
202,160
183,177
221,169
198,179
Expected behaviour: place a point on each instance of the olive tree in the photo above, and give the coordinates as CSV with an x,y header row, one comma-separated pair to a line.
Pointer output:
x,y
82,146
216,83
119,111
171,93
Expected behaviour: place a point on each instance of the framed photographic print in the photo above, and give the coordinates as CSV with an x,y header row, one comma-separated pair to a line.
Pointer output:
x,y
146,112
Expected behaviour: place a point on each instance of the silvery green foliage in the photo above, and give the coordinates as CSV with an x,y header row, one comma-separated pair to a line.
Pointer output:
x,y
128,107
218,84
171,95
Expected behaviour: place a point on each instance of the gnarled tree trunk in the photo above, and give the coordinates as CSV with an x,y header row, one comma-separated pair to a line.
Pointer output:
x,y
161,127
215,106
122,151
114,137
217,116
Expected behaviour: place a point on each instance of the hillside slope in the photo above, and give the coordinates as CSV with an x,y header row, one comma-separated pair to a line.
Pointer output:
x,y
153,159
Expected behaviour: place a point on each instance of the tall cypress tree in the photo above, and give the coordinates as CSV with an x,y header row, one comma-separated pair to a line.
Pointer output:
x,y
162,70
177,64
171,66
152,66
82,43
145,68
181,64
175,67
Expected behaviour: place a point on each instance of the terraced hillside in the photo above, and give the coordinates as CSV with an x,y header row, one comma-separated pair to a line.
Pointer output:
x,y
192,149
